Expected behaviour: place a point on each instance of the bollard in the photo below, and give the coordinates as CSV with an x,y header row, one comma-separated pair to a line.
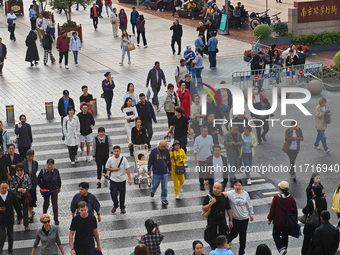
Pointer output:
x,y
10,114
94,106
49,110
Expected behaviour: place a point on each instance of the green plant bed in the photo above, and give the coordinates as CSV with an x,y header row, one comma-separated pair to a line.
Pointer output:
x,y
332,37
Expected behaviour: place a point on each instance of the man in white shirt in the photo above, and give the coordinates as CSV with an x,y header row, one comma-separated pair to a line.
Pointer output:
x,y
118,166
202,150
11,20
180,72
41,26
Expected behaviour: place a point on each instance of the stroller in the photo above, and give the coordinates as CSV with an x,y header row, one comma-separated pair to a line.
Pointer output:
x,y
141,166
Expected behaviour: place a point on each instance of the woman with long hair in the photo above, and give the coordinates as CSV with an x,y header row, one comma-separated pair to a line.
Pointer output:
x,y
108,85
124,46
320,123
198,62
130,92
185,99
315,180
197,246
170,102
51,26
138,136
122,20
130,114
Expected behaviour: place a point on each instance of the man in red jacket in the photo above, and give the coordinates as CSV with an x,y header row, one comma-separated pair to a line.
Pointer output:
x,y
63,44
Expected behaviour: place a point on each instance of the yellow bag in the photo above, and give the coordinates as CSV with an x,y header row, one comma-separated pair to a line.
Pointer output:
x,y
336,201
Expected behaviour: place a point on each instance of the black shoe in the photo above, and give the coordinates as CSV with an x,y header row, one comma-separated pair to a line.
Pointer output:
x,y
107,177
178,53
165,202
31,219
131,154
63,138
264,139
202,188
109,116
152,194
173,53
99,185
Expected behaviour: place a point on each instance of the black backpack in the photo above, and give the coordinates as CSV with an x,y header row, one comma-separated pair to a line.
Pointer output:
x,y
302,57
45,42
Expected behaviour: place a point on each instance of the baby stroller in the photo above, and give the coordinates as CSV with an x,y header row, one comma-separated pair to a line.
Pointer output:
x,y
141,165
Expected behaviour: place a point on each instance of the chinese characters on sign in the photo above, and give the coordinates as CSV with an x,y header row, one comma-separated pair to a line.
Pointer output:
x,y
318,10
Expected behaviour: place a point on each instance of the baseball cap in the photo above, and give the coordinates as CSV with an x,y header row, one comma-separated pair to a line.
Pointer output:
x,y
175,142
284,185
187,75
66,92
188,47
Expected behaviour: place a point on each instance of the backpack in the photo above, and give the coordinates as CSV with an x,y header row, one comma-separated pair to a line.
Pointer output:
x,y
302,57
45,42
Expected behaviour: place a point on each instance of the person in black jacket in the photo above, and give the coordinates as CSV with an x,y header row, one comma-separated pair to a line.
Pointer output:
x,y
63,104
326,237
7,202
31,167
3,55
25,140
86,124
257,66
259,119
4,170
47,45
138,136
177,33
108,85
155,77
94,14
308,231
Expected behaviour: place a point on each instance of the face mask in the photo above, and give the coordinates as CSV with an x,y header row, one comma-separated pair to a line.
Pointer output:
x,y
256,91
23,122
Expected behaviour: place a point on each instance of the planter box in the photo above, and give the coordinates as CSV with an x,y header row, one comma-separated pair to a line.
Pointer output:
x,y
280,40
247,59
324,47
70,30
18,8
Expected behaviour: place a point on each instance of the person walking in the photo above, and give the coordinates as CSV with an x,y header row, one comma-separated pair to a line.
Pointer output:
x,y
130,92
31,168
115,22
20,185
51,26
86,98
3,55
212,49
41,26
126,39
248,151
11,21
71,131
47,45
12,159
25,140
99,3
108,85
233,142
4,169
293,136
5,139
198,62
32,51
261,121
185,98
130,114
84,195
322,116
155,77
50,185
94,14
180,72
170,102
177,33
75,46
84,227
133,19
319,203
102,148
141,30
7,202
49,237
63,104
227,102
63,45
242,210
108,5
281,205
138,136
33,17
119,168
178,158
122,20
87,122
196,116
217,223
160,163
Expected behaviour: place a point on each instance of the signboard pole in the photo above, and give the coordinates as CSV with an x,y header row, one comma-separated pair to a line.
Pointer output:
x,y
224,25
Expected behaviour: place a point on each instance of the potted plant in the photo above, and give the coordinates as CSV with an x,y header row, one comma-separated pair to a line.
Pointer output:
x,y
247,55
70,26
16,5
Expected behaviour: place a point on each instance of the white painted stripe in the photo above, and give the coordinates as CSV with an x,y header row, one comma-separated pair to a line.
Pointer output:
x,y
257,180
270,193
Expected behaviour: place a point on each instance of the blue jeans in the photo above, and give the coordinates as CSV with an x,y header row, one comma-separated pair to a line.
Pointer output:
x,y
107,9
192,72
52,31
146,2
125,49
156,180
212,58
321,136
247,159
75,54
198,72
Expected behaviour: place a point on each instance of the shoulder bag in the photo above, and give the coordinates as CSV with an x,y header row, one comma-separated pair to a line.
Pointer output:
x,y
131,46
313,219
207,213
46,192
291,218
178,169
120,162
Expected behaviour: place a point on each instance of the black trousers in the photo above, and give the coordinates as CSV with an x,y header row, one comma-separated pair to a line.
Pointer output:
x,y
95,22
280,236
143,36
292,154
61,55
169,115
239,228
100,7
108,100
259,128
307,245
183,141
134,26
196,127
23,151
155,90
11,30
2,62
24,209
201,177
101,162
178,41
148,127
115,189
72,152
54,199
33,23
9,230
213,231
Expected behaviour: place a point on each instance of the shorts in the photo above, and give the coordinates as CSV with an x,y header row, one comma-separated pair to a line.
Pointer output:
x,y
86,138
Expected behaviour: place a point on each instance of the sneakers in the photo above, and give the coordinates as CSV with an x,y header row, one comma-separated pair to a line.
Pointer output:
x,y
328,151
129,62
73,163
152,194
162,10
185,165
66,67
248,182
317,147
77,65
165,202
120,63
88,158
81,154
180,190
177,197
60,65
99,185
283,252
145,46
158,10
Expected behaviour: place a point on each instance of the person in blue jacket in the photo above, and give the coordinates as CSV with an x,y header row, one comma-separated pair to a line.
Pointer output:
x,y
212,48
159,161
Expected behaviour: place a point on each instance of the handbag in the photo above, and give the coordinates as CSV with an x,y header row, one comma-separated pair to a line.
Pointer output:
x,y
178,169
46,192
102,95
328,117
192,64
28,198
295,232
131,46
216,50
206,214
313,218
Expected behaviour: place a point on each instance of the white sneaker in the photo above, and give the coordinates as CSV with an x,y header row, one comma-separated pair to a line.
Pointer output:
x,y
162,10
283,252
145,46
60,65
81,153
317,147
66,67
120,63
248,182
77,64
76,158
129,63
88,158
177,197
138,45
73,163
180,190
158,10
328,151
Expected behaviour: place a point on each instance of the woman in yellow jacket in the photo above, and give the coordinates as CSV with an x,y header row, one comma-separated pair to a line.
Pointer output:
x,y
247,150
336,202
178,157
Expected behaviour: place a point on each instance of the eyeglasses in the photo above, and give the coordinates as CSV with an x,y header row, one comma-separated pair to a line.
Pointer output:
x,y
45,222
20,170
